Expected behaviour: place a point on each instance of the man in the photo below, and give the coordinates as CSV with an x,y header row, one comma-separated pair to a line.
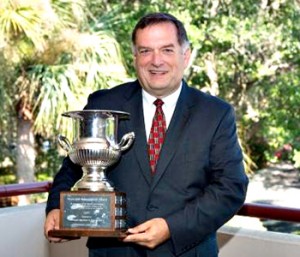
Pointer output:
x,y
176,205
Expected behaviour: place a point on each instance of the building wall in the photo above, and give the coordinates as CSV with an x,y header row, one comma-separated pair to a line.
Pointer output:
x,y
22,231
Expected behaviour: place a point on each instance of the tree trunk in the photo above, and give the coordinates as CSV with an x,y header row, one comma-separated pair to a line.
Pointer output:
x,y
25,154
211,72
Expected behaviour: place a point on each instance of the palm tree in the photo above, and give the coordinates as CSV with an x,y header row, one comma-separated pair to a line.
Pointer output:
x,y
51,58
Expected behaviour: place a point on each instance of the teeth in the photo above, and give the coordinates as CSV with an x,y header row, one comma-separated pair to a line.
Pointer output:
x,y
157,72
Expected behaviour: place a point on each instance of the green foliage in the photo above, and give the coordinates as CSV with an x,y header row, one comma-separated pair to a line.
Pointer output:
x,y
244,52
48,159
52,55
7,178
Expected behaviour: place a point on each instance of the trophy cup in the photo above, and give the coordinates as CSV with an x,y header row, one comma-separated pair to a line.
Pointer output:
x,y
93,207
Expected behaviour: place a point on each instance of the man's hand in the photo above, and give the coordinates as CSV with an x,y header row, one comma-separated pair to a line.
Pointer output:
x,y
52,223
150,233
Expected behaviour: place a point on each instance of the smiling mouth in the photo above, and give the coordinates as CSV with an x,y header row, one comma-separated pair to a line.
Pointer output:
x,y
157,72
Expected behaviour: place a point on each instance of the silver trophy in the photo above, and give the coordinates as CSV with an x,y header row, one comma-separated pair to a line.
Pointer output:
x,y
93,207
94,146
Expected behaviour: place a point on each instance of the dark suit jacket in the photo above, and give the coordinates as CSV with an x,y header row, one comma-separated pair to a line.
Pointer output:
x,y
200,181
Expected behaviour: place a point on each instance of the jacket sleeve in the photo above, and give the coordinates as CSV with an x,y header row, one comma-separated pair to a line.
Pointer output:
x,y
221,198
66,177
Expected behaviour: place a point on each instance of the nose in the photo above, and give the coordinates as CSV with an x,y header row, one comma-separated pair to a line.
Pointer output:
x,y
157,59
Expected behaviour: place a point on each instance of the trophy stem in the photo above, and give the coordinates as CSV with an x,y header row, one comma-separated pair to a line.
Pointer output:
x,y
94,179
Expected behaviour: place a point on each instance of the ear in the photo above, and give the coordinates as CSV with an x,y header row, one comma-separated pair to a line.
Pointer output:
x,y
187,57
134,62
134,57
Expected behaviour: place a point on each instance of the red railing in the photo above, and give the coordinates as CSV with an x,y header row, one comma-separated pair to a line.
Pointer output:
x,y
25,188
267,211
263,211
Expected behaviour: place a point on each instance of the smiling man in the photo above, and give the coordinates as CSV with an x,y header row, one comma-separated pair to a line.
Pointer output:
x,y
183,176
160,58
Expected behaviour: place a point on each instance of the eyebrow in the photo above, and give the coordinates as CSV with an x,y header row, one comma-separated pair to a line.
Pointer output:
x,y
147,47
167,46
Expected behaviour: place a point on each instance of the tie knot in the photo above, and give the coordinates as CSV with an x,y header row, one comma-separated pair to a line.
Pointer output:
x,y
158,102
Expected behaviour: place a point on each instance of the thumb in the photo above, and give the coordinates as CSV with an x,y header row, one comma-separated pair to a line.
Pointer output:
x,y
56,223
138,229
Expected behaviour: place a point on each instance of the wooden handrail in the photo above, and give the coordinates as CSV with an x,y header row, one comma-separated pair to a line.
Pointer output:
x,y
263,211
25,188
267,211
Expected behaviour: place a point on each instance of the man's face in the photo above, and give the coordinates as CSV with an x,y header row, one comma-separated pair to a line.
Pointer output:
x,y
159,59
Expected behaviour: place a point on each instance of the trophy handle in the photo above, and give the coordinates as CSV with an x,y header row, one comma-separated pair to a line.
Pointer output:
x,y
126,141
64,143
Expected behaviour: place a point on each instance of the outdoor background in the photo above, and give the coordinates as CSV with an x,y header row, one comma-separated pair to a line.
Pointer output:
x,y
53,54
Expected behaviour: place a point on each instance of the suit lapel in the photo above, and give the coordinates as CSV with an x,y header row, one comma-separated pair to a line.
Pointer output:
x,y
134,106
173,136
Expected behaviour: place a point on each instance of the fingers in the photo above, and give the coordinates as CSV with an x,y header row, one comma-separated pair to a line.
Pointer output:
x,y
57,240
52,223
150,233
140,228
140,234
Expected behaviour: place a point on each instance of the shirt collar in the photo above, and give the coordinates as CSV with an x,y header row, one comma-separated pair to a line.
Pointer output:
x,y
169,100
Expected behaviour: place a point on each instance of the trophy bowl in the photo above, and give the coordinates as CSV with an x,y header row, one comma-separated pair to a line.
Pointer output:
x,y
94,145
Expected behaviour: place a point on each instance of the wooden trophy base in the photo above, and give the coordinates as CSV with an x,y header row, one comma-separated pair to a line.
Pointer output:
x,y
76,234
91,214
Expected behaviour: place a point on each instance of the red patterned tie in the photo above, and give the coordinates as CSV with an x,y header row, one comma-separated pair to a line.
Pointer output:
x,y
157,134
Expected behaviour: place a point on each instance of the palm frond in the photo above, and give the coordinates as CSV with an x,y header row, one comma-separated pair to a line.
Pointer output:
x,y
22,20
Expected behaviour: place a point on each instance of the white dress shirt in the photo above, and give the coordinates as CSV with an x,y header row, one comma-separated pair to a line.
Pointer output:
x,y
149,108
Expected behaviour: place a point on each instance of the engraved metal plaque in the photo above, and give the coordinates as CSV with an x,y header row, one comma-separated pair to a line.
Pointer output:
x,y
86,211
99,214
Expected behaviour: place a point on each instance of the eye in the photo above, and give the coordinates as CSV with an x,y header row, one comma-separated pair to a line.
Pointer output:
x,y
144,51
168,51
